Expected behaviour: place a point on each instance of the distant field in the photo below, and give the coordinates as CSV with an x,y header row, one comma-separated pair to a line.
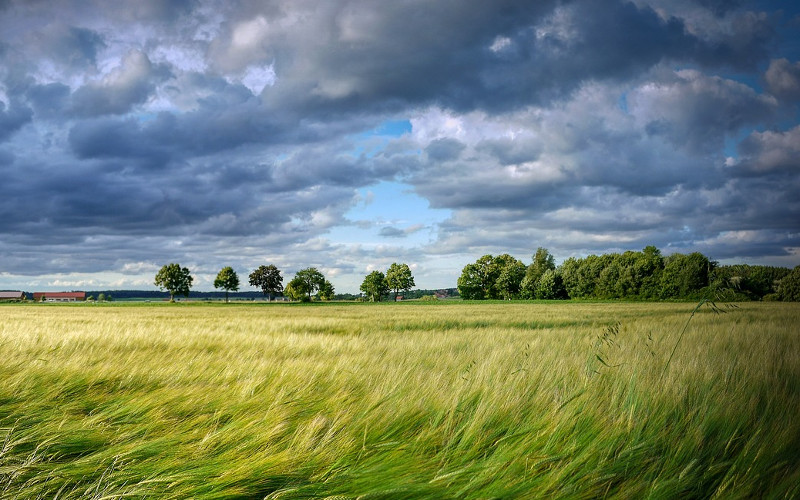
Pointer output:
x,y
409,400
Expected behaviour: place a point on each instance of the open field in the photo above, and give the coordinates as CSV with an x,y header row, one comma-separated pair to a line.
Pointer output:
x,y
456,400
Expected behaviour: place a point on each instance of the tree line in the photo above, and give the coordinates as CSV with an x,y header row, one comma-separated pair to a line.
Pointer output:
x,y
644,275
308,283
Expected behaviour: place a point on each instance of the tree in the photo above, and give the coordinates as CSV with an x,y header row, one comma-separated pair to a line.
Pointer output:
x,y
789,286
268,279
175,279
101,297
477,280
375,286
398,277
542,261
550,286
685,275
295,290
228,280
510,273
326,291
308,281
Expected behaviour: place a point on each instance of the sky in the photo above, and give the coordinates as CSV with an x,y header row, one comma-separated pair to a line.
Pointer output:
x,y
350,134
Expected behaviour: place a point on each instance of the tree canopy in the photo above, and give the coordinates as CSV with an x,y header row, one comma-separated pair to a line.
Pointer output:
x,y
305,283
228,280
789,286
268,279
399,277
175,279
628,275
374,286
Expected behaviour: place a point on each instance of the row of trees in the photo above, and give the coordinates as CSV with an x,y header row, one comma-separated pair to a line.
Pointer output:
x,y
178,280
307,283
377,285
629,275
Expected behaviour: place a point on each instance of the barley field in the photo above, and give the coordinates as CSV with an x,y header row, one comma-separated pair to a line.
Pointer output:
x,y
408,400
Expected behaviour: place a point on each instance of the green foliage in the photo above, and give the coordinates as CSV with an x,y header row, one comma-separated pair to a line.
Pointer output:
x,y
268,279
628,275
789,286
101,297
295,290
374,286
550,286
326,291
542,262
228,280
510,273
684,276
305,283
474,282
175,279
755,282
399,277
492,278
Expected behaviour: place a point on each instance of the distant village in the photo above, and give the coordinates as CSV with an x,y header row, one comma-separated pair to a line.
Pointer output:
x,y
19,296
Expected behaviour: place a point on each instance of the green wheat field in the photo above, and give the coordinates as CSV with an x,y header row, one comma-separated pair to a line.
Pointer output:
x,y
408,400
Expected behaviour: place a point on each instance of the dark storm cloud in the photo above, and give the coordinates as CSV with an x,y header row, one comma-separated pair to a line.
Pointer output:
x,y
783,80
767,153
494,56
127,86
12,118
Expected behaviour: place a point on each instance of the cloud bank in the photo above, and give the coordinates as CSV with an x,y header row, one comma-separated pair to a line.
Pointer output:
x,y
133,134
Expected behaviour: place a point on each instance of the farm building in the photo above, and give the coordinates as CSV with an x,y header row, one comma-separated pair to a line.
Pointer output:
x,y
11,296
59,296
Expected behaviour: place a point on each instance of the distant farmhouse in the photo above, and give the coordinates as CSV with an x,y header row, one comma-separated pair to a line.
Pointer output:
x,y
11,296
59,296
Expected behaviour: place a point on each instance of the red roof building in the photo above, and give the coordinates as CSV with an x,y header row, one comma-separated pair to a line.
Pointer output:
x,y
59,296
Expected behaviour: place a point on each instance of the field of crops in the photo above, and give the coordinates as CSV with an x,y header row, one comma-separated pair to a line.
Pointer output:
x,y
407,400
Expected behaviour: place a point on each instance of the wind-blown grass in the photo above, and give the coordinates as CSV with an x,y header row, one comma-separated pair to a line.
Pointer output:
x,y
451,400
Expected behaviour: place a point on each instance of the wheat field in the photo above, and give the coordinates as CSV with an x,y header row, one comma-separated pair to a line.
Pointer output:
x,y
407,400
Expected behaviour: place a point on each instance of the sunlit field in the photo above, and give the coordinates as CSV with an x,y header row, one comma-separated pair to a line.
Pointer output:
x,y
441,400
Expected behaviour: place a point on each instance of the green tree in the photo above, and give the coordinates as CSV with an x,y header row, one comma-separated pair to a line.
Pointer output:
x,y
101,297
268,279
308,281
550,286
228,280
326,291
649,266
477,280
789,286
175,279
471,282
295,290
399,277
374,286
685,275
510,273
542,261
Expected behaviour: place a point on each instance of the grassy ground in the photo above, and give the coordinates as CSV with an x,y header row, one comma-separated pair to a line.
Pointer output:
x,y
457,400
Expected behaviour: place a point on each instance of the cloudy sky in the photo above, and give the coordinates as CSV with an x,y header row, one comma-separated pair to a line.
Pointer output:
x,y
350,134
